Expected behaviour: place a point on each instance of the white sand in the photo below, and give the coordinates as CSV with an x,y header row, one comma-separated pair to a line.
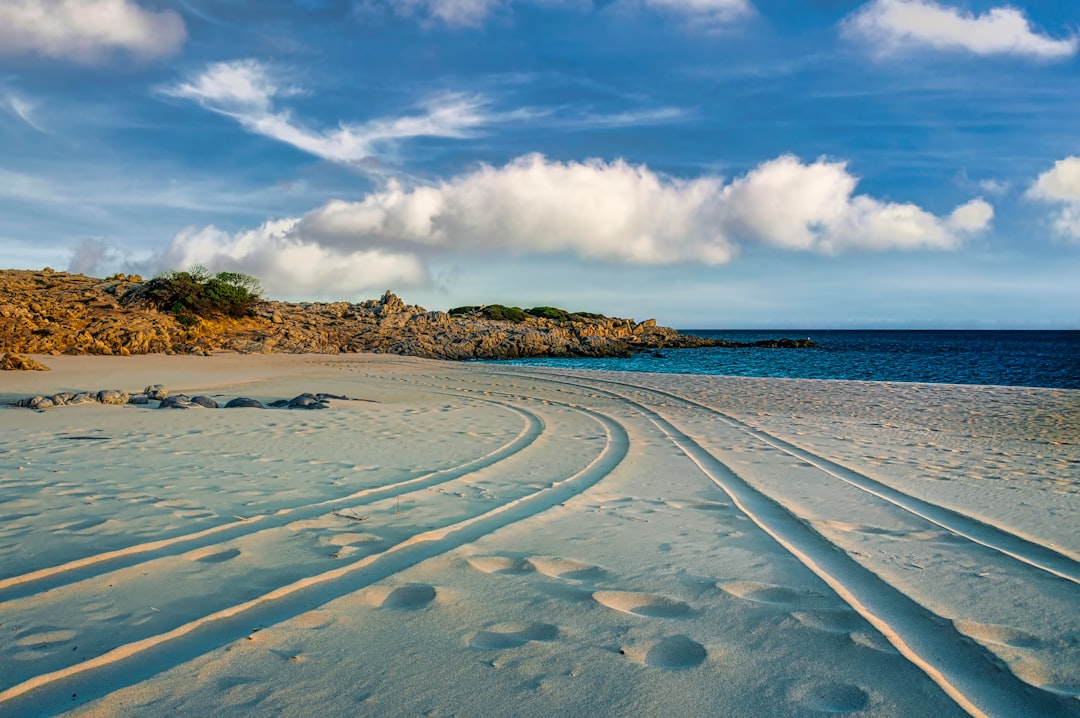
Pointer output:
x,y
479,540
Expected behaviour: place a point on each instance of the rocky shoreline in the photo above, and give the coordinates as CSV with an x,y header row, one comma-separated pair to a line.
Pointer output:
x,y
49,312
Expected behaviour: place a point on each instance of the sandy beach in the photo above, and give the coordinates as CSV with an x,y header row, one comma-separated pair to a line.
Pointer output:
x,y
491,540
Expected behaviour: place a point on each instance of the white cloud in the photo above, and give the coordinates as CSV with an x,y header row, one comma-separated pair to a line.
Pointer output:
x,y
453,12
88,30
973,216
604,211
892,25
789,204
245,90
993,186
91,255
21,108
1060,185
287,265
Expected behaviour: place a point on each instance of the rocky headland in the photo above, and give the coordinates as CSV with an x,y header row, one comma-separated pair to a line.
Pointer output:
x,y
50,312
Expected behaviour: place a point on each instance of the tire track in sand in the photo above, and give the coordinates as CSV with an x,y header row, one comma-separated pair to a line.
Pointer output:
x,y
969,674
124,665
14,587
1025,550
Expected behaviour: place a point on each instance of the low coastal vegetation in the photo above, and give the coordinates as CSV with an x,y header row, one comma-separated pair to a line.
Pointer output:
x,y
503,313
196,294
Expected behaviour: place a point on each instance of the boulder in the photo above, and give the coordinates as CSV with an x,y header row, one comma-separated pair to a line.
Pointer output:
x,y
15,362
243,402
309,401
178,401
112,396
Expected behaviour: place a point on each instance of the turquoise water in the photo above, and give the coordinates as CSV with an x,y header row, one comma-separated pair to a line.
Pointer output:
x,y
1006,358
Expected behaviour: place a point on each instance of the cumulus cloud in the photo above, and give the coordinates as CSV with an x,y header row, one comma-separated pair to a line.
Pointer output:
x,y
789,204
288,264
88,30
604,211
245,90
892,25
1060,185
90,256
994,186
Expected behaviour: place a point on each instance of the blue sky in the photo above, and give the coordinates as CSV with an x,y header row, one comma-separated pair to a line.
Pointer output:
x,y
710,163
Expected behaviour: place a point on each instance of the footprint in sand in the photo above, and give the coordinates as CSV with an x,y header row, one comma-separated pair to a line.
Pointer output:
x,y
874,641
764,593
501,564
347,544
831,697
567,568
512,635
840,622
44,638
671,653
314,620
552,566
859,529
208,555
79,526
642,604
409,598
1000,635
700,505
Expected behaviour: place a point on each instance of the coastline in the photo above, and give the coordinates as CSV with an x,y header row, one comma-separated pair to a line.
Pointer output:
x,y
484,538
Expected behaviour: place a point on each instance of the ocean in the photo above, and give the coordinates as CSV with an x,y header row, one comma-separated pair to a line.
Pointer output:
x,y
1003,358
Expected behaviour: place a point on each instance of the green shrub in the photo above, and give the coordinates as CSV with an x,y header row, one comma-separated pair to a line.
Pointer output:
x,y
501,313
496,312
196,293
548,312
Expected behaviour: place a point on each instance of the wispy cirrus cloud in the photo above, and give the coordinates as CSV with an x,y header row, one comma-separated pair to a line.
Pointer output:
x,y
246,91
1060,185
452,13
472,13
22,108
88,30
610,212
630,118
709,12
893,25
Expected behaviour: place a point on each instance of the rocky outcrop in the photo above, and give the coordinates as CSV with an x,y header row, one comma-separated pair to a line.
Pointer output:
x,y
51,312
14,362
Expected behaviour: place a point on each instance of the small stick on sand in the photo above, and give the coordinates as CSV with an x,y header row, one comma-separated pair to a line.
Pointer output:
x,y
350,516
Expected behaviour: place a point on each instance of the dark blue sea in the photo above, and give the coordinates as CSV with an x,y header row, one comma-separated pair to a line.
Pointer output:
x,y
1004,358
